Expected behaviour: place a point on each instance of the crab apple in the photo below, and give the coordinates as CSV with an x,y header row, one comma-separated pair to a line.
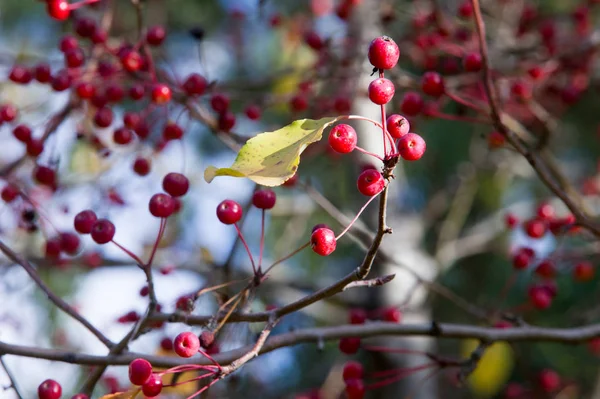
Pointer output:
x,y
172,131
349,345
264,198
397,125
84,221
114,93
103,231
161,94
540,297
67,43
42,72
412,103
161,205
546,269
137,92
549,380
381,91
44,175
122,136
69,243
433,84
357,316
186,344
58,9
9,193
34,147
522,258
139,371
583,272
80,396
195,85
323,241
383,53
391,314
511,220
74,58
229,212
536,228
20,74
219,102
175,184
465,9
156,35
343,138
355,388
546,211
472,62
52,248
49,389
226,121
411,147
253,112
299,103
103,117
85,90
8,113
141,166
22,133
152,386
370,182
61,81
352,370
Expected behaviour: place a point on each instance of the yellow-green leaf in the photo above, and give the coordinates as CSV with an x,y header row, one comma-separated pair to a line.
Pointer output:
x,y
271,158
130,394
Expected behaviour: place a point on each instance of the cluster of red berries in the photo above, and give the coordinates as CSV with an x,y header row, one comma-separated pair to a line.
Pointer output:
x,y
548,382
50,389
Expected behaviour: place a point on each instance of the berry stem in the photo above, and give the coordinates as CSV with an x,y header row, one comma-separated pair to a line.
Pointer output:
x,y
209,357
450,117
364,118
356,217
131,254
286,257
75,6
402,373
161,231
262,240
203,389
237,228
368,152
383,121
464,102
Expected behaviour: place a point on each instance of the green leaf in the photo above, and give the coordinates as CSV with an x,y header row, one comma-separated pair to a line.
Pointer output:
x,y
271,158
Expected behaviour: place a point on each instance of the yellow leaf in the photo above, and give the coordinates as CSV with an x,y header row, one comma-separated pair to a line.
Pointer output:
x,y
131,394
493,370
85,159
271,158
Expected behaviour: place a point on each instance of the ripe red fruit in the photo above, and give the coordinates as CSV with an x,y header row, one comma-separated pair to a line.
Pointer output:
x,y
391,314
465,10
103,231
352,370
69,243
22,133
161,205
152,386
521,91
323,241
84,221
156,35
44,175
207,339
381,91
141,166
357,316
20,74
546,269
103,117
583,272
219,102
412,103
226,121
195,85
349,345
114,93
264,199
176,184
58,9
122,136
8,112
52,248
229,212
85,27
536,228
383,53
397,125
131,60
355,389
549,380
74,58
343,138
472,62
411,147
137,92
522,258
186,344
172,131
511,220
42,72
540,297
298,103
34,147
546,211
139,371
313,40
161,94
80,396
85,90
370,182
131,119
49,389
9,193
432,84
253,112
61,81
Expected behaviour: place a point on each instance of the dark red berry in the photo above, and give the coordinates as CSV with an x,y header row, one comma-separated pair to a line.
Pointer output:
x,y
186,344
583,272
42,72
156,35
412,103
49,389
69,243
343,138
298,103
131,60
161,94
355,389
522,258
229,212
44,175
383,53
391,314
137,92
323,241
152,386
22,133
536,228
226,121
103,117
9,193
74,58
195,85
253,112
357,316
122,136
20,74
61,81
381,91
397,125
472,62
349,345
52,248
352,370
161,205
103,231
141,166
549,380
176,184
84,221
432,84
34,147
411,147
8,112
546,269
172,131
219,102
139,371
264,199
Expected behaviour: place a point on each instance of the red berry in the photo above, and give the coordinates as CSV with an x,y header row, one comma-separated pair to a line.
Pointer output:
x,y
207,338
131,120
412,104
80,396
22,133
161,205
141,166
186,344
122,136
511,220
74,58
391,314
49,389
411,147
139,371
44,175
156,35
465,10
343,138
58,9
521,90
514,391
195,85
540,297
313,40
357,316
522,258
84,221
536,228
397,125
355,389
52,248
432,84
298,103
131,60
161,94
61,81
342,105
152,386
20,74
103,231
349,345
42,72
546,211
229,212
352,370
381,91
546,269
323,241
9,193
496,140
383,53
370,182
226,121
172,131
34,147
8,113
253,112
69,243
85,90
472,62
176,184
549,380
85,27
137,92
103,117
264,199
114,93
583,272
219,102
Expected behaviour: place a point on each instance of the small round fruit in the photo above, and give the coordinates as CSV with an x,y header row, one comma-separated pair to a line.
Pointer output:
x,y
139,371
343,138
370,182
264,199
411,147
323,241
357,316
161,94
186,344
195,85
381,91
58,9
583,272
9,193
472,62
536,228
156,35
69,243
103,231
397,125
161,205
412,103
49,389
540,298
549,380
122,136
152,386
355,388
522,258
176,184
229,212
391,314
349,345
353,370
383,53
141,166
433,84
